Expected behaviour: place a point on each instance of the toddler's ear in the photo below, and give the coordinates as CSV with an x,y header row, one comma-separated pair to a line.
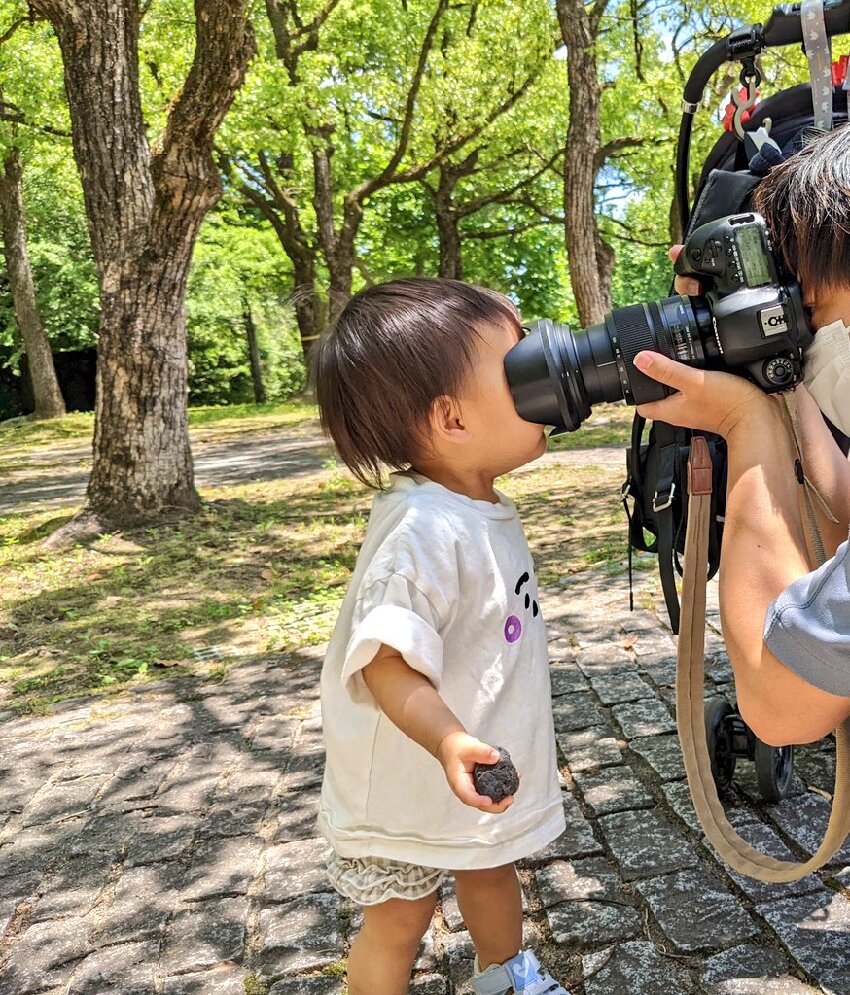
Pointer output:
x,y
447,422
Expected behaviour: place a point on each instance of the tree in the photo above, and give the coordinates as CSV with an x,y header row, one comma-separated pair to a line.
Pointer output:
x,y
388,96
591,259
15,122
238,262
144,206
477,186
45,388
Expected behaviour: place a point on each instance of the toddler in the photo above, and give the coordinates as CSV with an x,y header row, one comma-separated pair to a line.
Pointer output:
x,y
440,653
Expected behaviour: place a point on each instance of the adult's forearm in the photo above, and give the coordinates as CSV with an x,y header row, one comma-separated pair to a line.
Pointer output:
x,y
763,552
764,546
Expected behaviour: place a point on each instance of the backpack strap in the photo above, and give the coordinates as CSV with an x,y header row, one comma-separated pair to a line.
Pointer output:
x,y
717,448
724,192
662,507
690,712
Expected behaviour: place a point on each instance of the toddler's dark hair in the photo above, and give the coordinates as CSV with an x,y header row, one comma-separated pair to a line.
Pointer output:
x,y
395,348
806,204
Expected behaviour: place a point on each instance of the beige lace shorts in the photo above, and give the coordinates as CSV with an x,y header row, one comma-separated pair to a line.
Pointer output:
x,y
372,880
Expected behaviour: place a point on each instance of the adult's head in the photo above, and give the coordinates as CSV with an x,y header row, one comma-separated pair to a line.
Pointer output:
x,y
806,204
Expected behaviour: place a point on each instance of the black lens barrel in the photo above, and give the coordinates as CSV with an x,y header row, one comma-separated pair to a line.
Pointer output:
x,y
556,376
632,330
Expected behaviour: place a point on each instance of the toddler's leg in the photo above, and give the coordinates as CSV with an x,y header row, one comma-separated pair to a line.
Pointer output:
x,y
491,905
382,955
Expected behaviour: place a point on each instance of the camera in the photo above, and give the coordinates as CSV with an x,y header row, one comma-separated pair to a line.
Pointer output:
x,y
749,321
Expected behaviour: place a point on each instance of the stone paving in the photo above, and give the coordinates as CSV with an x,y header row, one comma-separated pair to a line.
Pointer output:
x,y
164,841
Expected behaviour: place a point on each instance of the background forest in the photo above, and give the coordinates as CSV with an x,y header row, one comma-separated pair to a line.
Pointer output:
x,y
374,140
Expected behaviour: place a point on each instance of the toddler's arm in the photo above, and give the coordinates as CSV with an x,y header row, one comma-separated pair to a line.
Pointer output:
x,y
411,702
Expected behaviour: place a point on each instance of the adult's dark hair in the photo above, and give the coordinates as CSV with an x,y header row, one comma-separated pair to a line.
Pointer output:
x,y
806,203
395,348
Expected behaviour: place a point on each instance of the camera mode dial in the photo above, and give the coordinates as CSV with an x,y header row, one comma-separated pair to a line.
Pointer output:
x,y
779,371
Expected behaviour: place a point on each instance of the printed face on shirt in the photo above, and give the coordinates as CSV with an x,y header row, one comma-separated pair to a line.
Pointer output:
x,y
513,624
504,441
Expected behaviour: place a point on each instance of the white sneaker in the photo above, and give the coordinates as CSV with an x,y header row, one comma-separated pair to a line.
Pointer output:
x,y
520,974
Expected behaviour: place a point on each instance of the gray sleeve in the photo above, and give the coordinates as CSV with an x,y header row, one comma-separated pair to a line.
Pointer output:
x,y
808,626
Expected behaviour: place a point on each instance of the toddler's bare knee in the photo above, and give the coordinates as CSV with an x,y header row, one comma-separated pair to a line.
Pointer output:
x,y
402,922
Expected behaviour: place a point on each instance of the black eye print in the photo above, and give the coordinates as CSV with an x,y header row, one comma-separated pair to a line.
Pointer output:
x,y
527,601
535,611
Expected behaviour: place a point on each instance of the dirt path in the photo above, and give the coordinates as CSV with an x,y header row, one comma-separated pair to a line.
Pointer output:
x,y
58,476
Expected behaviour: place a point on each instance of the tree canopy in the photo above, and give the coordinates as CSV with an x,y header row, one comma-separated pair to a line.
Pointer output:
x,y
373,140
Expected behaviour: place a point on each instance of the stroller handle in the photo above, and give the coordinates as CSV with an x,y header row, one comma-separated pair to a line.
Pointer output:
x,y
783,27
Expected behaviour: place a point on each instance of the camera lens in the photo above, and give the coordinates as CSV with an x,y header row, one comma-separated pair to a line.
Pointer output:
x,y
556,376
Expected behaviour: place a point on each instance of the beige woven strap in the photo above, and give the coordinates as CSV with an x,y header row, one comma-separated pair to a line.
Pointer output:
x,y
690,712
810,496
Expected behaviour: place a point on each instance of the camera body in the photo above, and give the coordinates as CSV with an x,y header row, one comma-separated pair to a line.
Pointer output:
x,y
749,320
757,318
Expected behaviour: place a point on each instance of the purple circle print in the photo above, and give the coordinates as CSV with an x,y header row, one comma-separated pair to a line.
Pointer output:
x,y
513,629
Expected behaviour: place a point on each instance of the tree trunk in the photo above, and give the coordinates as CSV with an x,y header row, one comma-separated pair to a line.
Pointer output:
x,y
337,247
451,260
605,259
142,465
144,209
282,212
578,29
45,387
310,309
253,352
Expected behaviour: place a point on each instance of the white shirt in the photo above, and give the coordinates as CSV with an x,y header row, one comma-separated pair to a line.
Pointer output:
x,y
449,582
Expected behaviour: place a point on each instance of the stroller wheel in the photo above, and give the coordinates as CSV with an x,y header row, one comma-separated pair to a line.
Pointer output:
x,y
774,769
723,760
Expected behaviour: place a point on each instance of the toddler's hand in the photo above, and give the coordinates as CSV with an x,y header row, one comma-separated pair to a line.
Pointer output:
x,y
459,753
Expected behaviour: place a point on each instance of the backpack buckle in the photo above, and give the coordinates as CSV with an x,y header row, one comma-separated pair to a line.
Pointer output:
x,y
666,499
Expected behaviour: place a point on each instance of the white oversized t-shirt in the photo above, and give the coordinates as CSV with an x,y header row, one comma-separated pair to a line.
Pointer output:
x,y
449,582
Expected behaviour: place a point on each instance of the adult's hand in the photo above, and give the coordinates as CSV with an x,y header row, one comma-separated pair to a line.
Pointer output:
x,y
711,401
705,399
688,285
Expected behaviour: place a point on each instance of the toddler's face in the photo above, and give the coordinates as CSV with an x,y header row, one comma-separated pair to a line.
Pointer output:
x,y
503,440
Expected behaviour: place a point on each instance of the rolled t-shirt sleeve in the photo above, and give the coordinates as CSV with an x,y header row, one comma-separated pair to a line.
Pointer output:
x,y
395,612
807,627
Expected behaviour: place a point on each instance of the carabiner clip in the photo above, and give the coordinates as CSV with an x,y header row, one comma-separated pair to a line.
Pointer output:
x,y
750,79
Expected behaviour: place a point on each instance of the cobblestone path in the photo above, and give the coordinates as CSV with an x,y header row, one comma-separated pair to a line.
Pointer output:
x,y
165,841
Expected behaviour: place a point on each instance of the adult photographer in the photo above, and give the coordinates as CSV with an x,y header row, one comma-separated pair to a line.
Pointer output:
x,y
787,628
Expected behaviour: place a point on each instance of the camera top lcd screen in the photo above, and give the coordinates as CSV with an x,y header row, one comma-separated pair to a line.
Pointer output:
x,y
753,256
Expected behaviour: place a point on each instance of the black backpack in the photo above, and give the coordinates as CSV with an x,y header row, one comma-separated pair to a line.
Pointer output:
x,y
656,482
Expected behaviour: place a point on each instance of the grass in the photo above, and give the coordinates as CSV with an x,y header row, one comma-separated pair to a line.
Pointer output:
x,y
21,435
261,569
608,425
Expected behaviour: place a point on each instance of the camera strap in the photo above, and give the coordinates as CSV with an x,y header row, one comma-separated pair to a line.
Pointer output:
x,y
690,712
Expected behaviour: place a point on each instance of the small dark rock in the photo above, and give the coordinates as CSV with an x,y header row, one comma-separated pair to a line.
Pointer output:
x,y
498,780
